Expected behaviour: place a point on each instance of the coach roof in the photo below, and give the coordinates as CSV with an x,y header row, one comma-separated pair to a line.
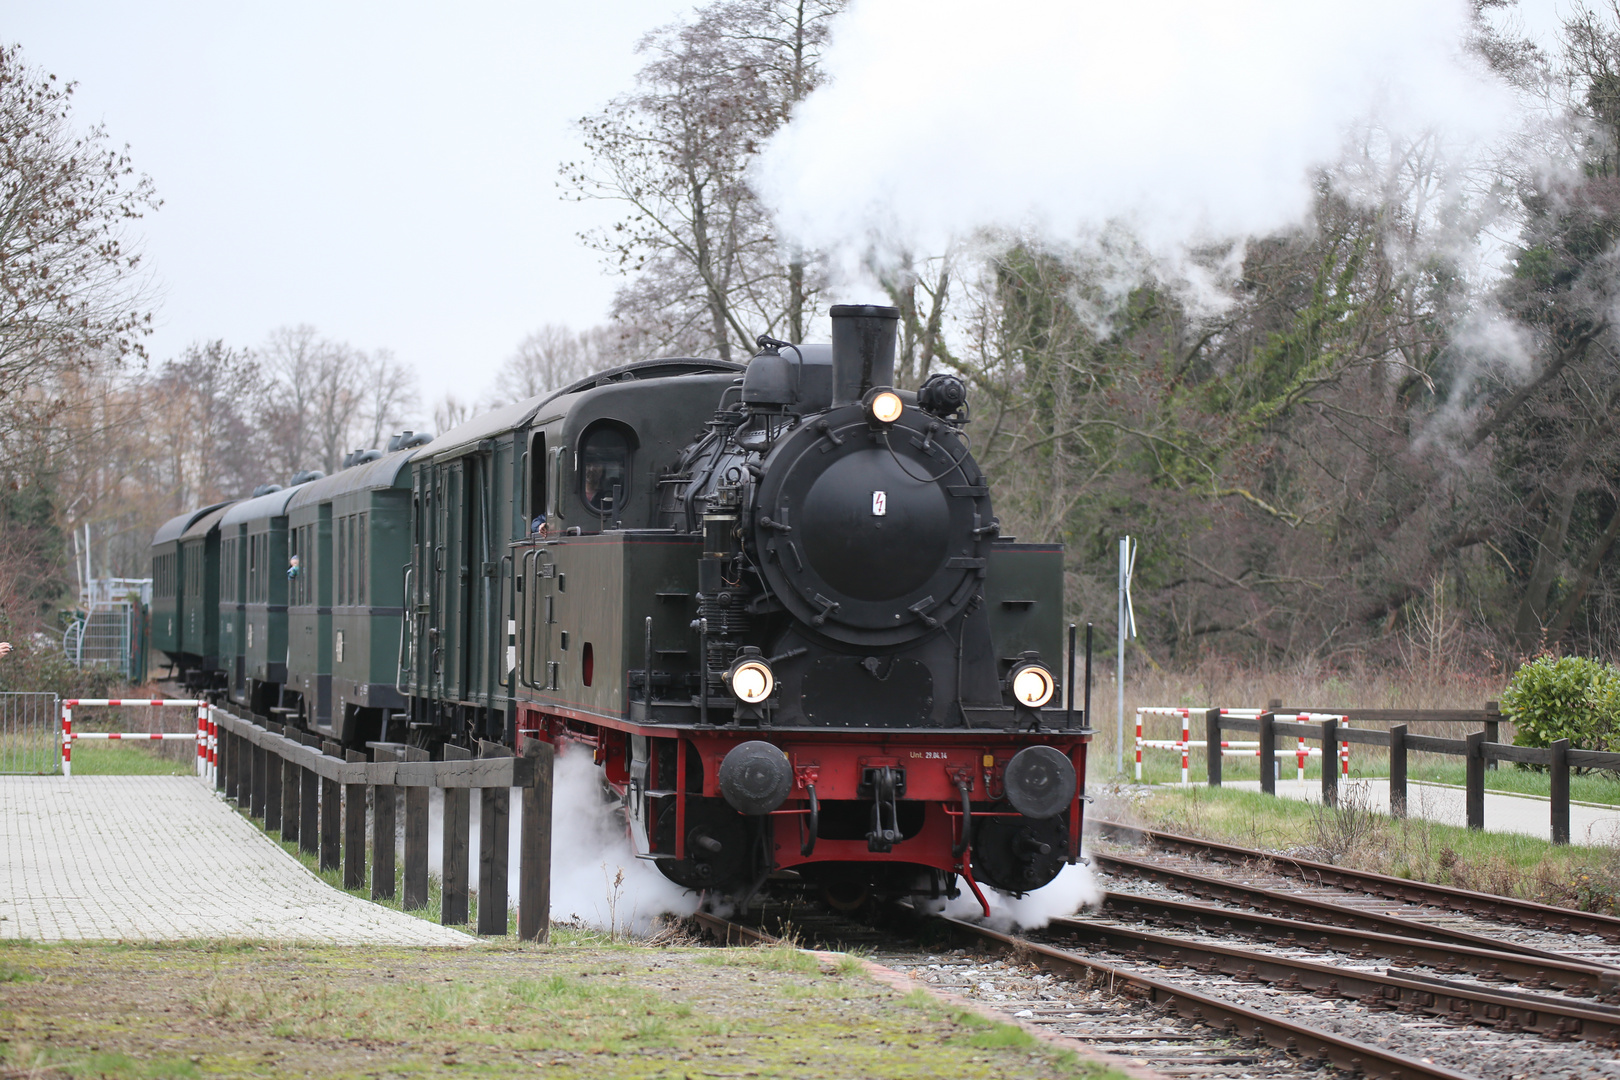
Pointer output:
x,y
265,506
206,523
175,526
383,472
465,439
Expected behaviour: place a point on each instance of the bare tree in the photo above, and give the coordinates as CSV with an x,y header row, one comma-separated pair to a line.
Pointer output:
x,y
451,412
69,289
548,359
339,400
390,392
705,265
292,360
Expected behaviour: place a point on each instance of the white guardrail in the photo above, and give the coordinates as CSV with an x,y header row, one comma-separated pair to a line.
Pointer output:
x,y
1232,749
205,736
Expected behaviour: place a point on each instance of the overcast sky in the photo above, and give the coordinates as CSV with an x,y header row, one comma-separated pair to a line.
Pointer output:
x,y
384,172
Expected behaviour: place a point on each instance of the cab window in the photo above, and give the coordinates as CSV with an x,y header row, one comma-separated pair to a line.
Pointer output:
x,y
604,468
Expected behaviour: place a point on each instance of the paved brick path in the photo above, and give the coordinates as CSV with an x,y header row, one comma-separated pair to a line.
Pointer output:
x,y
161,858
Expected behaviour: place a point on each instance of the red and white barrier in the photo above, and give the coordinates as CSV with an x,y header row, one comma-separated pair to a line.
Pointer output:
x,y
1185,743
204,735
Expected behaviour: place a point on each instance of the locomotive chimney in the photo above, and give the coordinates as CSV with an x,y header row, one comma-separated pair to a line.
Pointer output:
x,y
863,341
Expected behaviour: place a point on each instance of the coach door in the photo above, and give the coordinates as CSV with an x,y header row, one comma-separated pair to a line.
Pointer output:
x,y
544,674
456,582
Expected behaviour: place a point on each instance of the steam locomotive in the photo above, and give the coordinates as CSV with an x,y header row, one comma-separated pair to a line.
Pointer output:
x,y
795,640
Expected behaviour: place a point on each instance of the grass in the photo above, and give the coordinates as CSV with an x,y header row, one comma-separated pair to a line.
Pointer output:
x,y
1508,864
571,1008
117,758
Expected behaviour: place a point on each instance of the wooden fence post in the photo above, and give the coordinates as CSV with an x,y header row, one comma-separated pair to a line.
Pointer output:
x,y
244,775
416,838
1330,761
1212,746
494,833
331,813
222,756
309,812
1493,728
534,870
1475,757
1558,769
230,765
453,909
383,832
272,790
1268,753
291,800
1397,771
260,801
354,828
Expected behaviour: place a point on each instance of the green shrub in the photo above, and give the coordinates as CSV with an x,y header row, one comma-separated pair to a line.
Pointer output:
x,y
1565,698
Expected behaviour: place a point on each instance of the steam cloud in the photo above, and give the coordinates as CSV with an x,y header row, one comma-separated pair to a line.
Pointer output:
x,y
1181,120
589,849
1074,888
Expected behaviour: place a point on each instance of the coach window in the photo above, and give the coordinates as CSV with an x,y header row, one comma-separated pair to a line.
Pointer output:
x,y
537,481
604,469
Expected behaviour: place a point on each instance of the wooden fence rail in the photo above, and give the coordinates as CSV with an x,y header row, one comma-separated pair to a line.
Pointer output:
x,y
316,795
1479,749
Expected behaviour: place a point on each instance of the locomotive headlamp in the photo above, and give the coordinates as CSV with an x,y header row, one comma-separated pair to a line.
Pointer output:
x,y
751,680
885,407
1033,685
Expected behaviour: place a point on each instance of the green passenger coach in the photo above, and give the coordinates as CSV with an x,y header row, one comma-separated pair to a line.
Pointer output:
x,y
349,534
181,630
253,599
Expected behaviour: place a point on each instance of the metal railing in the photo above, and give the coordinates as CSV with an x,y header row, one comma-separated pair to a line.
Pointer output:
x,y
28,733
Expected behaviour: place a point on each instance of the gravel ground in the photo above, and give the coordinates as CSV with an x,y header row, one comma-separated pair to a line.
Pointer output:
x,y
1168,1044
1141,1034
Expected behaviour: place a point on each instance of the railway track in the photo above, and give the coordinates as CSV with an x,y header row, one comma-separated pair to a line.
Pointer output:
x,y
1526,913
1366,972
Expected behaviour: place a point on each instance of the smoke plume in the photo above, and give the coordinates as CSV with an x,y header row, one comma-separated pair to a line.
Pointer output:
x,y
1179,120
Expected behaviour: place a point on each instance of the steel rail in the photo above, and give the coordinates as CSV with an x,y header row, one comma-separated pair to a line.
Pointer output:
x,y
1524,912
1294,906
1544,1016
733,933
1446,957
1238,1020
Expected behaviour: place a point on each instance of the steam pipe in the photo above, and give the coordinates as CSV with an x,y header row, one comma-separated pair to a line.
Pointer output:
x,y
1088,674
646,672
1068,684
